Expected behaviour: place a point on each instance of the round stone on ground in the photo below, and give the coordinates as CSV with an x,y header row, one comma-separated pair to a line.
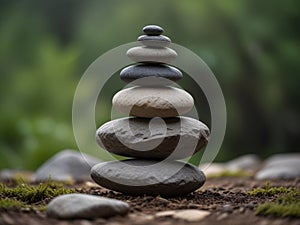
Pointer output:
x,y
153,30
83,206
135,72
280,166
249,162
160,41
152,102
65,166
189,215
139,177
154,55
153,138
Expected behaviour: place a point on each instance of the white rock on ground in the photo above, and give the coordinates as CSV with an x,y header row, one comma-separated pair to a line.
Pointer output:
x,y
190,215
65,166
280,166
245,162
83,206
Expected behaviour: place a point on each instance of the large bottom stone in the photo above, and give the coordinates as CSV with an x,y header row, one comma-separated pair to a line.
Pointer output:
x,y
138,177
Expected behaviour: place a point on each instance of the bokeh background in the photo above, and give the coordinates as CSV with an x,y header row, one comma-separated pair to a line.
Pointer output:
x,y
252,46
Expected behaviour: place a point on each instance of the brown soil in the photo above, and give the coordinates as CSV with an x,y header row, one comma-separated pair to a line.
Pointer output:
x,y
225,198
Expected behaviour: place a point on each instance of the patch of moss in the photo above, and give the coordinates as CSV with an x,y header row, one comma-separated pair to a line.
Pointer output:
x,y
228,173
287,205
287,202
32,196
7,203
271,191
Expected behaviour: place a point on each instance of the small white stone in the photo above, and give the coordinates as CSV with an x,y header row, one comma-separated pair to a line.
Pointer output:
x,y
190,215
149,102
140,217
148,54
165,213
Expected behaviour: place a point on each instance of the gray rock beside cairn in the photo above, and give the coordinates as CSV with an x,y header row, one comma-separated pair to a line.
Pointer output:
x,y
156,134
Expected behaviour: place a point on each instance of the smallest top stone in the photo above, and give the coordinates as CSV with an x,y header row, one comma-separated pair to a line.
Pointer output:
x,y
153,30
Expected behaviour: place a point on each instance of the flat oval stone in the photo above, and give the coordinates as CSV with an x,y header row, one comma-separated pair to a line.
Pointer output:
x,y
153,138
83,206
153,30
159,41
152,102
155,55
136,72
139,177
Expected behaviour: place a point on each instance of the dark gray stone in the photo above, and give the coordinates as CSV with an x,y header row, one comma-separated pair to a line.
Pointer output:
x,y
66,165
83,206
156,138
153,30
159,41
132,73
138,177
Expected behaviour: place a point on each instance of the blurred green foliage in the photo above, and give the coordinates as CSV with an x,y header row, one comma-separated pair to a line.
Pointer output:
x,y
252,47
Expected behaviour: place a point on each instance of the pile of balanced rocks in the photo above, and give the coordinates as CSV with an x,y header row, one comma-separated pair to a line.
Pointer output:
x,y
156,134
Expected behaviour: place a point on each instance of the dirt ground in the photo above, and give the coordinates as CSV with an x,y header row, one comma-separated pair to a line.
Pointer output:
x,y
225,198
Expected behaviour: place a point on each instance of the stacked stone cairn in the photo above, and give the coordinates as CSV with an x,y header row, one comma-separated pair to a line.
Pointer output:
x,y
156,134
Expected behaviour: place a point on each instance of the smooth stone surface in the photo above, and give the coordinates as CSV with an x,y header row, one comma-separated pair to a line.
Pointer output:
x,y
160,41
135,72
279,159
154,55
248,162
190,215
156,138
153,30
83,206
65,166
280,166
151,102
139,177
